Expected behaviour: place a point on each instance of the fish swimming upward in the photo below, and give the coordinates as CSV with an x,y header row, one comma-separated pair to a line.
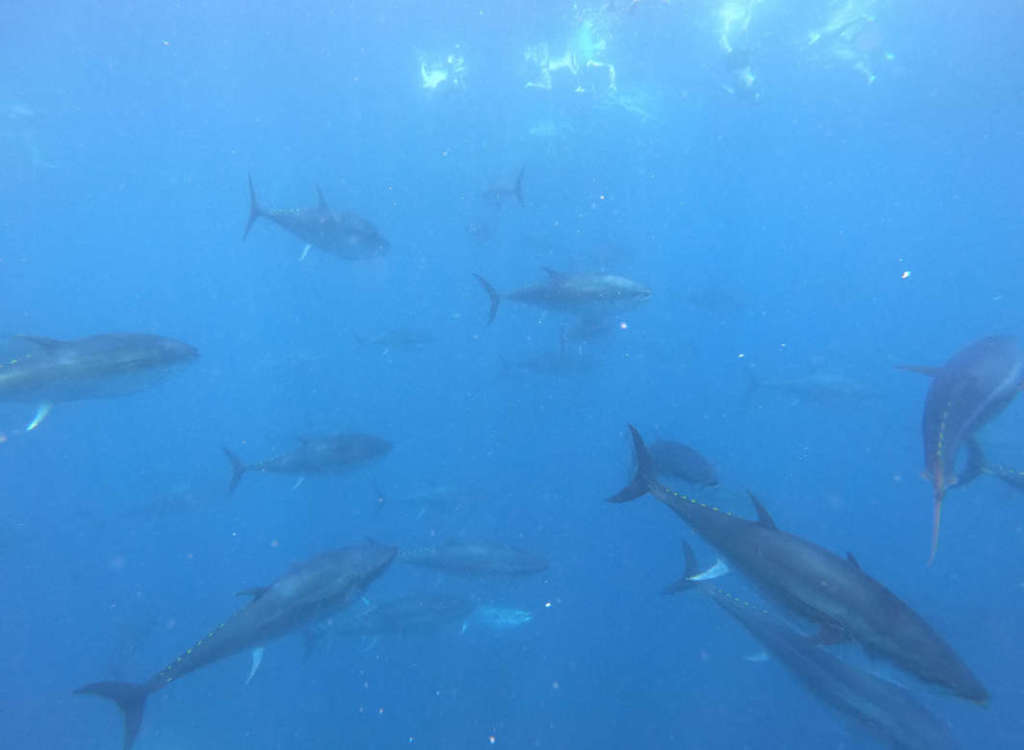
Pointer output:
x,y
974,386
102,366
815,584
345,235
305,595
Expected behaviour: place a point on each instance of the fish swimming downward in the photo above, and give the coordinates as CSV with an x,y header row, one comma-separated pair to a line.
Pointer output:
x,y
343,234
307,594
967,392
330,454
815,584
587,294
103,366
883,708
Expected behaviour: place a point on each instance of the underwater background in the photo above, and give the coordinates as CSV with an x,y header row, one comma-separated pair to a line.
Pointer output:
x,y
805,187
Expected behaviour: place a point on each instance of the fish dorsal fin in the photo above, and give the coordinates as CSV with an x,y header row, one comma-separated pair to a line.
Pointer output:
x,y
763,519
554,275
930,370
43,342
321,202
853,560
256,592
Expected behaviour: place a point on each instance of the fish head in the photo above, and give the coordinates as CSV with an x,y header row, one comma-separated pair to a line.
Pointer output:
x,y
369,560
628,290
172,351
369,447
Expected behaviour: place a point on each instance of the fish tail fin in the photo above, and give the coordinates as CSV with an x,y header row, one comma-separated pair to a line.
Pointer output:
x,y
238,469
518,189
936,522
692,569
493,294
255,210
129,697
640,485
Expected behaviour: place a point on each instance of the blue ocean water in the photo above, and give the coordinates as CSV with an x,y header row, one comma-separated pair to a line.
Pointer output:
x,y
808,188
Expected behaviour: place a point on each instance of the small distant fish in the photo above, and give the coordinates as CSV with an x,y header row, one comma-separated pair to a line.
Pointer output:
x,y
476,558
681,461
103,366
406,615
818,387
497,618
558,364
500,194
331,454
588,294
403,339
973,387
443,500
343,234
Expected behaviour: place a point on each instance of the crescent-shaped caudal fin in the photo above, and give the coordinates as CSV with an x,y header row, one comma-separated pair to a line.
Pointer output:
x,y
936,522
255,210
238,469
129,697
640,485
492,293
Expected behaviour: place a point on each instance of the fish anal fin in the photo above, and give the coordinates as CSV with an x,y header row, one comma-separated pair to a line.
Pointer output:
x,y
256,592
257,659
763,518
42,412
553,274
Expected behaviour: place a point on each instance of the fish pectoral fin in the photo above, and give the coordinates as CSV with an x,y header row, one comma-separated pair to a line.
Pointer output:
x,y
762,515
42,412
305,252
257,659
829,635
255,592
759,657
298,483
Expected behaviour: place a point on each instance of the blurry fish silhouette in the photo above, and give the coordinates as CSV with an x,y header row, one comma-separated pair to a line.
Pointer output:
x,y
500,194
343,234
678,460
476,558
330,454
587,294
974,386
102,366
